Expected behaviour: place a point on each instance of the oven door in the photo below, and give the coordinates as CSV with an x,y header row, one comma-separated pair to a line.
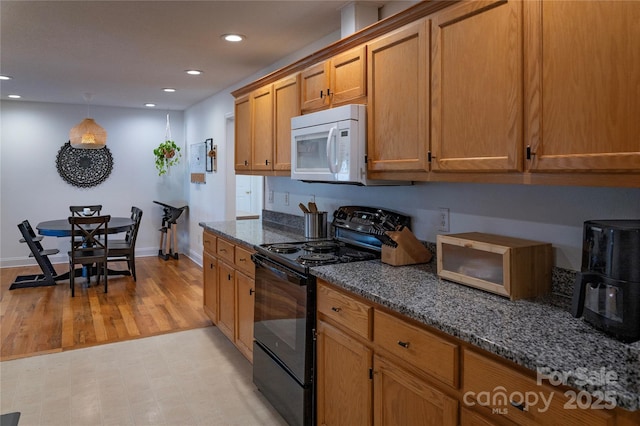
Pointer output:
x,y
284,316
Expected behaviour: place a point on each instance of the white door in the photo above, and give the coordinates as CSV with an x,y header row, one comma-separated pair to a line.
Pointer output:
x,y
248,196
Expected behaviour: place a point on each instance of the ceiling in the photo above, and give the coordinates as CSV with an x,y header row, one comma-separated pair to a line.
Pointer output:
x,y
123,53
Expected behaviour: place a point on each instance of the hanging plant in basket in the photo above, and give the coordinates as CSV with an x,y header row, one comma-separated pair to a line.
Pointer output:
x,y
167,154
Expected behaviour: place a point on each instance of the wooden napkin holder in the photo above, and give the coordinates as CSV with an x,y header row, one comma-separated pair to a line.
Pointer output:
x,y
409,250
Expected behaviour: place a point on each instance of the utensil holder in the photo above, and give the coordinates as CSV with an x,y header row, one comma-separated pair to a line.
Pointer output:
x,y
315,225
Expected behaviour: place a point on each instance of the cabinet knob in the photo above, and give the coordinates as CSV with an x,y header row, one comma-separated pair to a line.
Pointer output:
x,y
403,344
334,309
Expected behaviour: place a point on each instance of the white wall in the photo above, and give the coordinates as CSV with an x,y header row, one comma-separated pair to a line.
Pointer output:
x,y
553,214
30,187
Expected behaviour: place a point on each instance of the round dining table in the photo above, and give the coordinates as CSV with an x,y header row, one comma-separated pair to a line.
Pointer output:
x,y
62,228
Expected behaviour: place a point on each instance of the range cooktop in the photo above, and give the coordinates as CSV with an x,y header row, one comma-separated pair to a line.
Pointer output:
x,y
318,252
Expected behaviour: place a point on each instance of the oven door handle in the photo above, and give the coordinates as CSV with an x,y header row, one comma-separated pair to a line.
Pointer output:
x,y
279,270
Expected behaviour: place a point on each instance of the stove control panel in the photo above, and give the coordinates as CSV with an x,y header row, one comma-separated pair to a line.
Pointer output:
x,y
369,220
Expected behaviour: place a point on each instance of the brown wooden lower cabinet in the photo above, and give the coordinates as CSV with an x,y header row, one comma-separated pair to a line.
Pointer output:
x,y
228,287
408,374
344,391
402,398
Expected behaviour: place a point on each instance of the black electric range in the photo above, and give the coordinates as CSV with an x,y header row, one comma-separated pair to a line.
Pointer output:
x,y
285,304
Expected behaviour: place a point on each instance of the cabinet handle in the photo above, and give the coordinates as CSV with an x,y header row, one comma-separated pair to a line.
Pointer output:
x,y
403,344
334,309
328,92
266,162
529,153
223,250
251,291
519,405
321,94
246,162
229,277
242,259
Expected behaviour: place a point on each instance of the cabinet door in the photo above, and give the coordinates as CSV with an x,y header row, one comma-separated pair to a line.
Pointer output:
x,y
262,131
243,134
286,94
397,116
404,399
343,379
226,300
210,286
348,76
476,87
244,314
584,93
314,83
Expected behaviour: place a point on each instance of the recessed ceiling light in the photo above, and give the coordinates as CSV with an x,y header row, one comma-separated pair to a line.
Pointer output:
x,y
14,96
149,104
169,89
5,77
193,72
233,37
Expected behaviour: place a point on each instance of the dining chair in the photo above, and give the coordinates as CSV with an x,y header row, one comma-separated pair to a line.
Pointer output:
x,y
91,210
125,250
89,236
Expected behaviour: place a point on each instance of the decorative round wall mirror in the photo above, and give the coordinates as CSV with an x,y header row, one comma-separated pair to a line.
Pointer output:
x,y
84,168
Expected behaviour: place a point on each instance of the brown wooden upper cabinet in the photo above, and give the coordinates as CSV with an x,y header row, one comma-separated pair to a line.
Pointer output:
x,y
476,87
242,134
583,98
397,116
263,127
336,81
286,96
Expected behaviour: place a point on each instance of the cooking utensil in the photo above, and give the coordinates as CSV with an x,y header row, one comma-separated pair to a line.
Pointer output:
x,y
312,207
303,208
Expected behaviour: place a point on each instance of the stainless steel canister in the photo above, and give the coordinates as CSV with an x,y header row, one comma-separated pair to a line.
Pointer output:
x,y
315,225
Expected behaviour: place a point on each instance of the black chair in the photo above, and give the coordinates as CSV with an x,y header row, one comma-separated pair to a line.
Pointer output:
x,y
49,274
89,246
93,210
124,250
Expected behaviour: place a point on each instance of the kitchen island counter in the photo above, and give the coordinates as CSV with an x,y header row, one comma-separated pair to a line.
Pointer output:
x,y
535,334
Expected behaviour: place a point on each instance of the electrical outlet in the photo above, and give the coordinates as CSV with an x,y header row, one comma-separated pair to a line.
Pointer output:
x,y
286,198
271,196
443,219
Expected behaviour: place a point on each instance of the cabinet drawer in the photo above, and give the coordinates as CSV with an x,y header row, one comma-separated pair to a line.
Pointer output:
x,y
209,242
345,310
243,261
225,250
506,388
418,347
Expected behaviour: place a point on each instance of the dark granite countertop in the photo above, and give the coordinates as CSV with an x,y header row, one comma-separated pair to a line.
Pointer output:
x,y
537,334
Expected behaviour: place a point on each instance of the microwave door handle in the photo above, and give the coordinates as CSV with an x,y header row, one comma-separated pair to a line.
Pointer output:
x,y
330,138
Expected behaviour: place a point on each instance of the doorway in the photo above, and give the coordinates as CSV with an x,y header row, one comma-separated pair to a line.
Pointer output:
x,y
248,196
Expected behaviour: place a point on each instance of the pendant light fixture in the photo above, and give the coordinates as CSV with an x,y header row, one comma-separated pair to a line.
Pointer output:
x,y
88,134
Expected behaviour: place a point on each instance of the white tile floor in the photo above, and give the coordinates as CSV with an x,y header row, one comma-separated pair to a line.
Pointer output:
x,y
194,377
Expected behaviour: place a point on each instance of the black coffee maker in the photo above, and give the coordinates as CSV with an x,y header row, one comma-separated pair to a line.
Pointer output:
x,y
607,290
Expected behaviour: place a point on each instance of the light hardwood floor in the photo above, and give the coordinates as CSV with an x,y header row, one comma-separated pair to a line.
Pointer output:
x,y
167,297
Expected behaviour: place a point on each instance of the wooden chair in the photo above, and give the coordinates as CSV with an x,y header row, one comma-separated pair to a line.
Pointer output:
x,y
121,250
89,246
94,210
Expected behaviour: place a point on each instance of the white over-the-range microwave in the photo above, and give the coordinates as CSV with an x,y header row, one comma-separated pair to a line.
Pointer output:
x,y
331,146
